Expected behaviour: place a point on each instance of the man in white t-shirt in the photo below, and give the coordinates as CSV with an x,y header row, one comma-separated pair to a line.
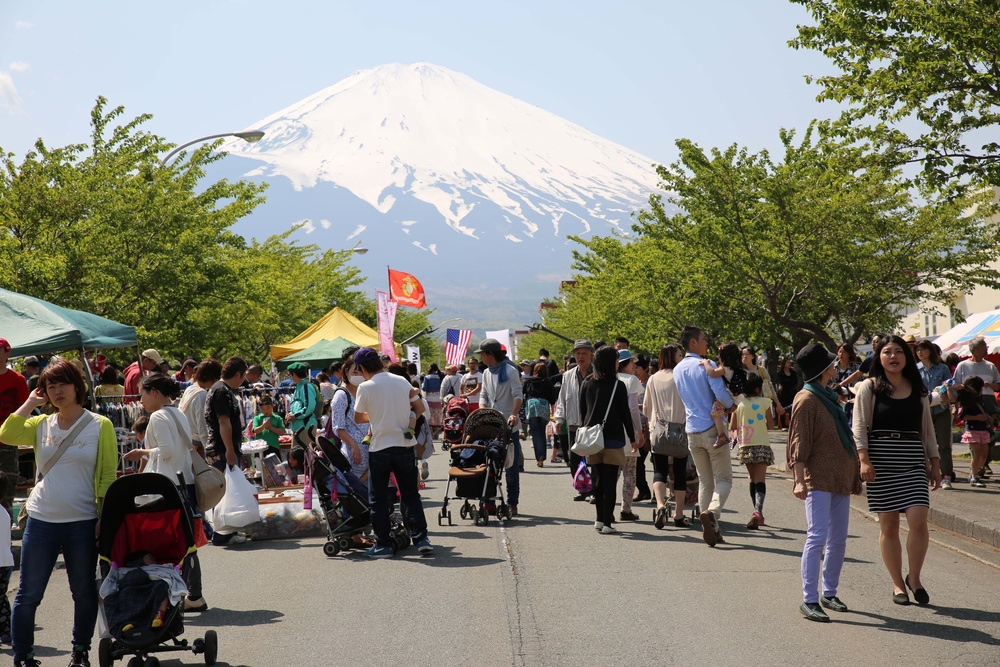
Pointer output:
x,y
472,384
384,402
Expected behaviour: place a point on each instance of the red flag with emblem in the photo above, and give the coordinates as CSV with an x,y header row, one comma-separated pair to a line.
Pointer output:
x,y
406,290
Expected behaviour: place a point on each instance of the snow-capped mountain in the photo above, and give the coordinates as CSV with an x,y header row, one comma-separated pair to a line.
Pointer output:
x,y
428,168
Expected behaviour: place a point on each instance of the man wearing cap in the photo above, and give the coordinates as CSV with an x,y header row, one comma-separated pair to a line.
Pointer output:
x,y
567,410
187,370
699,392
32,369
502,392
384,402
824,461
151,361
13,393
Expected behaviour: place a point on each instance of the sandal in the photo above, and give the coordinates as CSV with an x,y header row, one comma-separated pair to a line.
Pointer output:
x,y
682,522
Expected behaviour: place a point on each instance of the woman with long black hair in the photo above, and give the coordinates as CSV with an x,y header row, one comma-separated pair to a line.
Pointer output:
x,y
896,444
604,394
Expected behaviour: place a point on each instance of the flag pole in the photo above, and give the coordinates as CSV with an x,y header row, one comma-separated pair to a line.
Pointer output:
x,y
388,277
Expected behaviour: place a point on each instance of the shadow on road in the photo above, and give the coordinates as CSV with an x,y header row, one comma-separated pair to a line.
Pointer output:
x,y
218,617
935,630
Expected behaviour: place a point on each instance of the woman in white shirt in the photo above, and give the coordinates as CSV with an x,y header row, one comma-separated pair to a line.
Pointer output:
x,y
168,446
662,403
64,506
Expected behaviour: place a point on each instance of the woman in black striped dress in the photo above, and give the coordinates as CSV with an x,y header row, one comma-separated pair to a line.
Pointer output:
x,y
896,447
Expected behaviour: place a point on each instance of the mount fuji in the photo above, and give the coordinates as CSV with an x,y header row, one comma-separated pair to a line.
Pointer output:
x,y
469,189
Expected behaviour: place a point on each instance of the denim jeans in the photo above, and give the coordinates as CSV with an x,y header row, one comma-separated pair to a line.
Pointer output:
x,y
401,462
39,548
536,425
827,516
514,472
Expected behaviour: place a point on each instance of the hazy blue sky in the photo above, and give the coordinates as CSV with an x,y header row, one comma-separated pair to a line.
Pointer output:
x,y
639,73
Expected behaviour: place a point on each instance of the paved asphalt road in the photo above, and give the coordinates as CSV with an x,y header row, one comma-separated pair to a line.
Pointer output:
x,y
548,590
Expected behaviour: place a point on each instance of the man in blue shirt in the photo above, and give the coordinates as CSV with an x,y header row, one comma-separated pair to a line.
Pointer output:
x,y
699,392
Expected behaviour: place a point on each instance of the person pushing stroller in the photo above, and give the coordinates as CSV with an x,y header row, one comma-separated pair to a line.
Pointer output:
x,y
384,402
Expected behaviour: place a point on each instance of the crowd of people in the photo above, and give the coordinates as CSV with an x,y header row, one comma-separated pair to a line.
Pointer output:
x,y
885,421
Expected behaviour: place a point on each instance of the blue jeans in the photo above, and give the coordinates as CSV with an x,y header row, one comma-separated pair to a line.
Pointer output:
x,y
39,549
536,425
514,472
401,462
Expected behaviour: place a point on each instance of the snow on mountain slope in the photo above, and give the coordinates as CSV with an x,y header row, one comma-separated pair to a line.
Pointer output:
x,y
439,137
387,155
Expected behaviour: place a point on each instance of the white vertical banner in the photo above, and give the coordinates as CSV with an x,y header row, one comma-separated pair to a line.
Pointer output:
x,y
413,356
504,337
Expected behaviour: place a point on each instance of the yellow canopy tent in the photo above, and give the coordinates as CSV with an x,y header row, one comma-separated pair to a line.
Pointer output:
x,y
336,323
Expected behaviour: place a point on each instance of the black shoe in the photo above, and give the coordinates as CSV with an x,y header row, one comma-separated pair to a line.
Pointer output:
x,y
814,612
80,658
919,594
629,516
900,598
27,662
833,603
642,497
592,500
660,518
580,497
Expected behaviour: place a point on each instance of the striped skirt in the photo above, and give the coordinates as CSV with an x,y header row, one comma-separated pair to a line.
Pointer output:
x,y
900,472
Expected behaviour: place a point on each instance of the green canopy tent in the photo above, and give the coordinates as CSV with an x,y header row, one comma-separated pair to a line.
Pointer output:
x,y
319,355
33,326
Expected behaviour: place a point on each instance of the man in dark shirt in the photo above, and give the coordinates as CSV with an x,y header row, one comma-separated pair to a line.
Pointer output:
x,y
225,434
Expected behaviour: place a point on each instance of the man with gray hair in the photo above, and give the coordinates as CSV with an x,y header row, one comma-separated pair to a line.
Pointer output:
x,y
978,366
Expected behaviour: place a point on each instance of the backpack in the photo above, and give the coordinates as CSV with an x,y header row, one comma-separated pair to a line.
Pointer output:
x,y
320,403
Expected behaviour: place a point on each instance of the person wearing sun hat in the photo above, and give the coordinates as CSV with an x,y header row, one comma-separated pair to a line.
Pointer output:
x,y
567,410
824,461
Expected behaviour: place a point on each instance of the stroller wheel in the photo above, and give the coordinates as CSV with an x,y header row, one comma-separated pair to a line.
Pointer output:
x,y
331,549
104,657
442,514
474,515
134,662
395,544
344,543
151,662
211,647
484,513
464,512
449,518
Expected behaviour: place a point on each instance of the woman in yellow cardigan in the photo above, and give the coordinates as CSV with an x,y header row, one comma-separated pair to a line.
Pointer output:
x,y
63,508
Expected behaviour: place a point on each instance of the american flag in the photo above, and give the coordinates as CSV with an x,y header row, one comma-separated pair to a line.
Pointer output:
x,y
455,345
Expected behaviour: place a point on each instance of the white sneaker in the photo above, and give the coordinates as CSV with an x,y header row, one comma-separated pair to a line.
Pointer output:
x,y
608,530
946,482
598,525
976,482
424,472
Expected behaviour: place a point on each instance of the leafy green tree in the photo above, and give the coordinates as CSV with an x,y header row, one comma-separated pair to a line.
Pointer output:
x,y
825,244
103,227
933,65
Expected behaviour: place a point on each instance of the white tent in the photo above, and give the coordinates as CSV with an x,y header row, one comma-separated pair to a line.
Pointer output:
x,y
957,338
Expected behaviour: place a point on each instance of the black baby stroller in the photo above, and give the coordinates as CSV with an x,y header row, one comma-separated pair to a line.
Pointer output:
x,y
455,414
349,514
144,513
477,469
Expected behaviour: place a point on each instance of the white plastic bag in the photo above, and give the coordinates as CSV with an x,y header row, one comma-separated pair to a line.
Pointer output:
x,y
238,507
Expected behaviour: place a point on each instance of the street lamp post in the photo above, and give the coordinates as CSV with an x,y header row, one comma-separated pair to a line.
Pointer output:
x,y
250,136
